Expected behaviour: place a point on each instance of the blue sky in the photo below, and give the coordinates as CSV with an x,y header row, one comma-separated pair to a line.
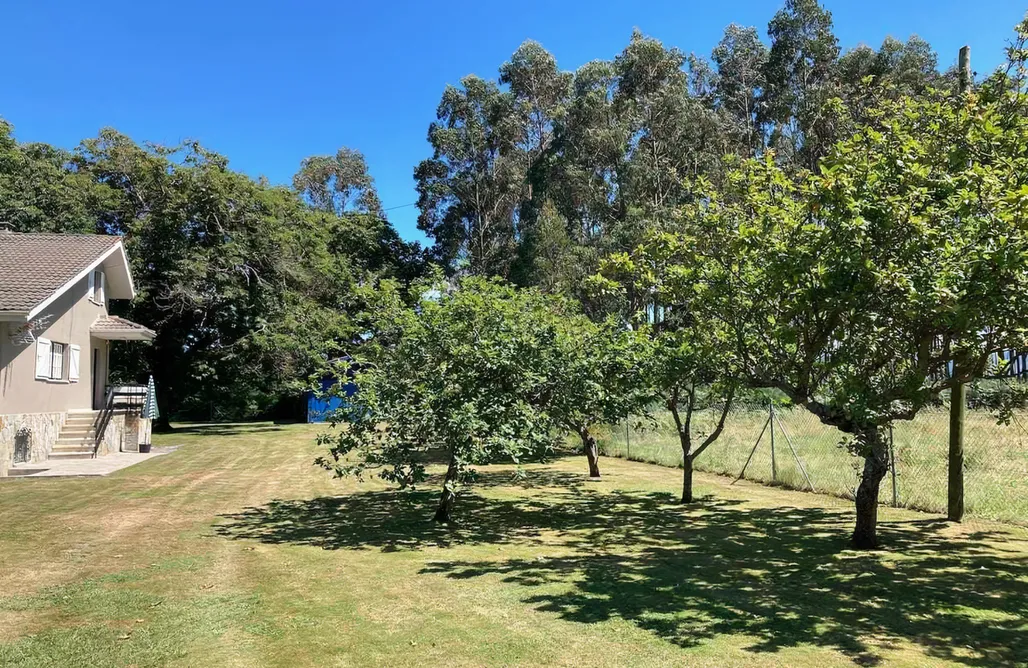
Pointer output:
x,y
267,84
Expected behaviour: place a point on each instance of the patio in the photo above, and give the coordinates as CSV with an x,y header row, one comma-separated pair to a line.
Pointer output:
x,y
97,466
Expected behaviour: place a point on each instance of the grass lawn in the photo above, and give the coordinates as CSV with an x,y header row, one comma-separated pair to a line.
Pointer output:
x,y
234,550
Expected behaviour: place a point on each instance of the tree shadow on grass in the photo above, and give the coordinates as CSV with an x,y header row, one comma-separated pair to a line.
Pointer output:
x,y
688,575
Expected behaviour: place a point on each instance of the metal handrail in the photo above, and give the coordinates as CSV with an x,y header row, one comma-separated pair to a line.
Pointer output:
x,y
102,420
133,396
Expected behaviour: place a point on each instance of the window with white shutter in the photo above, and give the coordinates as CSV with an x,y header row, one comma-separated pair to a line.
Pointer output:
x,y
43,358
73,363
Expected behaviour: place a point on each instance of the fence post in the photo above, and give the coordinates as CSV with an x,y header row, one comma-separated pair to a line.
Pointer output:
x,y
958,393
892,462
771,422
957,413
628,439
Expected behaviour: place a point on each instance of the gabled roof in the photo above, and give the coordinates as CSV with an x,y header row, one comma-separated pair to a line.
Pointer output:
x,y
36,269
113,328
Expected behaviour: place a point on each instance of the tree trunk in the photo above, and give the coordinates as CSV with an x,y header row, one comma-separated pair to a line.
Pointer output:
x,y
876,465
684,429
444,513
592,453
687,480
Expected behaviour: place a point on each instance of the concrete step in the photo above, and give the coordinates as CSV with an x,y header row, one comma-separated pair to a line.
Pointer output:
x,y
55,455
77,445
77,432
74,443
85,420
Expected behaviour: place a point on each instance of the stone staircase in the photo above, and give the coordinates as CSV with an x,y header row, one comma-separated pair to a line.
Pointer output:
x,y
78,436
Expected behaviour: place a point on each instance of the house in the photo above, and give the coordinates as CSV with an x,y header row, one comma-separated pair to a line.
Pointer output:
x,y
55,347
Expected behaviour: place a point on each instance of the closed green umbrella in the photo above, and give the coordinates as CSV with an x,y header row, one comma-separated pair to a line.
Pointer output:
x,y
150,409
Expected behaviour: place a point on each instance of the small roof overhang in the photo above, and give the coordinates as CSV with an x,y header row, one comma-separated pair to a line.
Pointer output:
x,y
113,328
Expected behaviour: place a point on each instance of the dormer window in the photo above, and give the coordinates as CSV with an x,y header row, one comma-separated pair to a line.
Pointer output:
x,y
97,283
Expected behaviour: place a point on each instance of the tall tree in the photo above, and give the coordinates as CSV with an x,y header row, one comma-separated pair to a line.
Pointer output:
x,y
338,184
801,83
470,190
903,258
741,59
38,189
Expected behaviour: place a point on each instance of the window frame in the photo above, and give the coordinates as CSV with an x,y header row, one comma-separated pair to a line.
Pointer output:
x,y
57,351
97,283
58,356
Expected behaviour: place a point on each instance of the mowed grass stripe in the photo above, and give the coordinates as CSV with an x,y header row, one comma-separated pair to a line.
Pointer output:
x,y
235,550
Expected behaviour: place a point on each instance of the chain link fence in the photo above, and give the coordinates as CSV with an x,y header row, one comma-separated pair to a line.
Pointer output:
x,y
995,456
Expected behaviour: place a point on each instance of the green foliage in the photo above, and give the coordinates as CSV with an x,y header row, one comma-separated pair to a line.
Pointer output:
x,y
465,373
250,288
854,289
338,183
598,373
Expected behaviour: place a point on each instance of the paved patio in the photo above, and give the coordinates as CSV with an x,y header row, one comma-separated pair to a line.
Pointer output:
x,y
99,466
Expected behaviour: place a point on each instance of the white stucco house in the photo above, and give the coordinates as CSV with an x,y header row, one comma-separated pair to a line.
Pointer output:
x,y
55,347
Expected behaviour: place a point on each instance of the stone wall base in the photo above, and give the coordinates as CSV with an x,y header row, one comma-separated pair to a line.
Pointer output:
x,y
28,436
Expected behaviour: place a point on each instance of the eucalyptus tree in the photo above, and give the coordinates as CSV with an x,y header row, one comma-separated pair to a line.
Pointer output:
x,y
797,106
741,58
338,183
540,93
895,70
470,190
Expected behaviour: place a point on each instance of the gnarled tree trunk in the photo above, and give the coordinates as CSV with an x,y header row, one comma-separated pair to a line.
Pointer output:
x,y
592,452
876,465
444,513
687,479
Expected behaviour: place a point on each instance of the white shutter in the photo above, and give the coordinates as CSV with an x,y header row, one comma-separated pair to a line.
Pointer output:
x,y
42,358
90,285
103,288
73,364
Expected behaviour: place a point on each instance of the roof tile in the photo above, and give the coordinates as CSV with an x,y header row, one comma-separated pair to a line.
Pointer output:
x,y
34,266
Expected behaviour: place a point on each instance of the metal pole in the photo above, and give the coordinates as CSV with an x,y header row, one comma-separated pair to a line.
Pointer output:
x,y
771,421
743,472
892,462
794,455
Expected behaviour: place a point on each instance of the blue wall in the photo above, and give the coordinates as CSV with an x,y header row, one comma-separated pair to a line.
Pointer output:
x,y
321,405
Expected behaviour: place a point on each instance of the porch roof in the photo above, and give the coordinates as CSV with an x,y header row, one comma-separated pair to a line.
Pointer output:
x,y
113,328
